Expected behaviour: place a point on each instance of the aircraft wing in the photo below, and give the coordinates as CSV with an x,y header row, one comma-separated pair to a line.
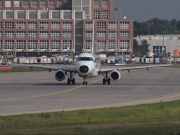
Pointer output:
x,y
131,68
68,69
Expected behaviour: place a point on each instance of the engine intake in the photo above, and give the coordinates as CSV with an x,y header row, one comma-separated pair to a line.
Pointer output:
x,y
115,75
60,75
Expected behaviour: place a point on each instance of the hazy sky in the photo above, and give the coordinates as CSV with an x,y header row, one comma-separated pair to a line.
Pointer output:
x,y
143,10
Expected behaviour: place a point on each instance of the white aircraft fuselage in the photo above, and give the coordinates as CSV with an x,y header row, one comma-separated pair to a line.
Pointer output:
x,y
87,65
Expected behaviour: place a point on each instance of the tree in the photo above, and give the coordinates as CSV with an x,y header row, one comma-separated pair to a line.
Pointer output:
x,y
140,50
136,47
156,26
144,48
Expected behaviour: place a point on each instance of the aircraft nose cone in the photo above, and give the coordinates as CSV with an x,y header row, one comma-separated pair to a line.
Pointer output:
x,y
83,69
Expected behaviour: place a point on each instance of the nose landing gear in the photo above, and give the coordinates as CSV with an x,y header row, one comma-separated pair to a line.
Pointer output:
x,y
85,82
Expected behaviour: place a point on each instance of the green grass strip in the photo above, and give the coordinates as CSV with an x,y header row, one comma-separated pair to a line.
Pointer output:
x,y
151,119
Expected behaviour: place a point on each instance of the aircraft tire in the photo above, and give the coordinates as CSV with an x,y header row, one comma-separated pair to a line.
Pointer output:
x,y
68,81
73,81
104,80
109,81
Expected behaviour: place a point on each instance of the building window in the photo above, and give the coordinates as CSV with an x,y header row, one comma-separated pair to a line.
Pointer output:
x,y
7,3
88,44
55,44
21,34
55,34
112,25
55,25
56,14
124,44
124,25
34,3
32,25
1,3
32,34
9,34
44,44
43,34
67,14
101,45
25,3
43,25
67,44
101,25
20,25
32,44
9,25
89,25
101,34
60,3
104,14
20,44
44,14
1,14
21,14
96,14
88,34
112,34
159,49
51,3
0,24
67,25
32,14
43,3
124,34
1,44
16,3
0,34
10,14
104,3
96,3
112,44
9,44
67,34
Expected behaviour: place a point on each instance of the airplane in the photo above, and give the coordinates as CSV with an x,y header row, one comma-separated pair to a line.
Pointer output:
x,y
88,65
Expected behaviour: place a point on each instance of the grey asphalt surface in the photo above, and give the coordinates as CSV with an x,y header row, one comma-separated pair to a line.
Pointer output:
x,y
34,92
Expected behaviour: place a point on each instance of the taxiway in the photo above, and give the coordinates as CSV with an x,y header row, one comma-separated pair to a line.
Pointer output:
x,y
33,92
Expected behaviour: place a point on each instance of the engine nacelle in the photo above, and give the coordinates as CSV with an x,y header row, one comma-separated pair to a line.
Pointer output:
x,y
115,75
60,75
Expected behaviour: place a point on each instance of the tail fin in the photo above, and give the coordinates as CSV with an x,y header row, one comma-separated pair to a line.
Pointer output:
x,y
93,40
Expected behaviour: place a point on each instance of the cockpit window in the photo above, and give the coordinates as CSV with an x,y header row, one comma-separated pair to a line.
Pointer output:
x,y
85,59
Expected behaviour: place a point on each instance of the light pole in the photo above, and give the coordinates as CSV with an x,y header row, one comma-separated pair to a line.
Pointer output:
x,y
163,44
116,10
149,28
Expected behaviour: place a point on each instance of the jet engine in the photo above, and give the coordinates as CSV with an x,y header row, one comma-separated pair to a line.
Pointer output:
x,y
60,75
115,75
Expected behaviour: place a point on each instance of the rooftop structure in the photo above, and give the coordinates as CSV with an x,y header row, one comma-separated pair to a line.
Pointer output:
x,y
46,27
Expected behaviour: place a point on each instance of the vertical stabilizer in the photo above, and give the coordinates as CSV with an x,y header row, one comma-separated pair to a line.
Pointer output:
x,y
93,40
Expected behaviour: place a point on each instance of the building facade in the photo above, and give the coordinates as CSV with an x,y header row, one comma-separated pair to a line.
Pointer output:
x,y
46,27
161,44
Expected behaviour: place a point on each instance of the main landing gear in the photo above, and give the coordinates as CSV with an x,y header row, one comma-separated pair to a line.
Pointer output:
x,y
71,79
106,79
84,82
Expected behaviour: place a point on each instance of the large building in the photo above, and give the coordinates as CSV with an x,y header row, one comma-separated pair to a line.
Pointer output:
x,y
161,44
46,27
